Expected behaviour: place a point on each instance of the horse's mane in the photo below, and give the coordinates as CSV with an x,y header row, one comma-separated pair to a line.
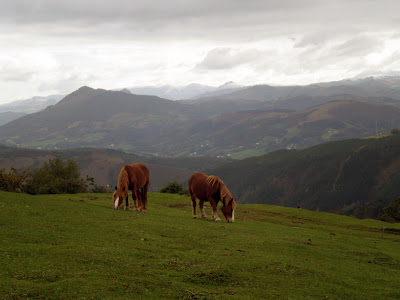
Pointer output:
x,y
213,180
123,178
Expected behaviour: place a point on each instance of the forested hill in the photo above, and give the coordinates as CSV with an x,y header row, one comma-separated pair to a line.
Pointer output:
x,y
355,177
104,165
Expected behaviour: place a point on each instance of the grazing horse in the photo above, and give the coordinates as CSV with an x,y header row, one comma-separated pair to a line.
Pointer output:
x,y
213,190
136,178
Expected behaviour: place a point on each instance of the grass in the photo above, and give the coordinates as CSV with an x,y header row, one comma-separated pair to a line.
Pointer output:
x,y
76,246
247,153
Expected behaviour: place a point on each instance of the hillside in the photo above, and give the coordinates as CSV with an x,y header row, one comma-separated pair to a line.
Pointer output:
x,y
76,246
250,133
9,116
357,177
104,164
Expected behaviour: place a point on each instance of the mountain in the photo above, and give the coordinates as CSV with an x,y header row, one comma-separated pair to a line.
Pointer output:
x,y
153,126
105,164
356,177
31,105
226,88
376,90
173,92
97,117
8,116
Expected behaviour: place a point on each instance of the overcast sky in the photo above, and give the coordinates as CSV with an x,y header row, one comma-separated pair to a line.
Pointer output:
x,y
54,47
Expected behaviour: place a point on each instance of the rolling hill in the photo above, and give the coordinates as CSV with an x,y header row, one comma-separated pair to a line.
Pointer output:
x,y
357,177
104,164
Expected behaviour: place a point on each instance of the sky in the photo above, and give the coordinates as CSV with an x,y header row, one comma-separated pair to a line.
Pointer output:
x,y
54,47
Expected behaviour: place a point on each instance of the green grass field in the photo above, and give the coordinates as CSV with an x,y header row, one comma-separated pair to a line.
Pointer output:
x,y
77,247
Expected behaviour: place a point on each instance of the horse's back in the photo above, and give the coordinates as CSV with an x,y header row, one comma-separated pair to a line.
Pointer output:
x,y
198,186
138,173
143,168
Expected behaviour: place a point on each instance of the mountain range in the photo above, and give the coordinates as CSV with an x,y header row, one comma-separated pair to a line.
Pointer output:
x,y
227,125
191,91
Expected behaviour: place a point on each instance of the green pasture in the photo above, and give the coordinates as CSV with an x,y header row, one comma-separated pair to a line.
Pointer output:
x,y
78,247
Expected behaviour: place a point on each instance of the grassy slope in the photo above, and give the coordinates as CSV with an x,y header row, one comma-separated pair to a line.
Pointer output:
x,y
76,246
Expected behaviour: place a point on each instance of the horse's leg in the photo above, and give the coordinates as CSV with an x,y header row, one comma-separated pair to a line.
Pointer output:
x,y
214,209
138,197
203,213
193,198
144,196
134,197
126,203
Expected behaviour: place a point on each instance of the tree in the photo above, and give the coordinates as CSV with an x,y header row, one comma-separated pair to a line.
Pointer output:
x,y
395,131
56,177
13,181
392,211
174,187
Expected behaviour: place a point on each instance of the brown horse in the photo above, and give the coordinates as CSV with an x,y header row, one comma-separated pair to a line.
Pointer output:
x,y
136,178
211,189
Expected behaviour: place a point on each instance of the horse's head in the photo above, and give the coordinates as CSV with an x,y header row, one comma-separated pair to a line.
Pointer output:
x,y
228,210
119,195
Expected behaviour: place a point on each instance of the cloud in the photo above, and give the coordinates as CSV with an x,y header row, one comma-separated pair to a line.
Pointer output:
x,y
227,58
54,45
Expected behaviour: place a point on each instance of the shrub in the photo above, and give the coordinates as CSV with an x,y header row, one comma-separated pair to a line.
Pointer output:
x,y
174,187
395,131
56,177
14,180
392,211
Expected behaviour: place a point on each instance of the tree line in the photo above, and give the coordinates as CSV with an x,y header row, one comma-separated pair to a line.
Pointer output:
x,y
54,177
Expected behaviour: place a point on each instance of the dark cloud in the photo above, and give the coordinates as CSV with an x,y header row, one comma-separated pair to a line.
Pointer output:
x,y
206,19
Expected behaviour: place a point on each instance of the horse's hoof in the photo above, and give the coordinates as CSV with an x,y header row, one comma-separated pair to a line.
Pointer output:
x,y
126,208
136,209
204,217
194,217
143,211
217,220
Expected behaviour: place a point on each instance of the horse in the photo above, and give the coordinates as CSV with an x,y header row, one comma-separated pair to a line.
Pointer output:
x,y
136,178
211,189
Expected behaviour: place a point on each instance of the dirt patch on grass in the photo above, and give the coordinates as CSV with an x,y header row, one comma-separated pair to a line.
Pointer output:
x,y
174,205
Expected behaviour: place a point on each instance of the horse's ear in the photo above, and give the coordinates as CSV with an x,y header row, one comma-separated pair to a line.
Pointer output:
x,y
115,187
230,201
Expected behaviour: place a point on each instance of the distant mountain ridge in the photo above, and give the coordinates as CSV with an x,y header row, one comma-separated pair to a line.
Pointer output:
x,y
190,91
31,105
240,124
378,90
